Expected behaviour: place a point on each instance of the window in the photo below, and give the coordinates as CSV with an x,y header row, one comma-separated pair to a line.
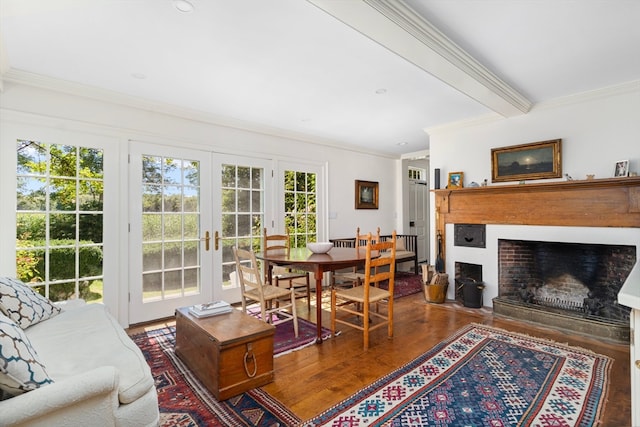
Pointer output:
x,y
300,207
59,215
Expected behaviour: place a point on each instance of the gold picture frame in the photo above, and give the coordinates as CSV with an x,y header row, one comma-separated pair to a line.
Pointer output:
x,y
537,160
366,194
455,180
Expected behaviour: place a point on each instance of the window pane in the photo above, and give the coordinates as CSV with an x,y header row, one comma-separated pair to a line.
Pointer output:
x,y
151,169
62,263
151,256
244,201
152,286
244,225
62,194
191,281
91,163
32,158
63,160
228,176
256,178
30,227
31,194
172,198
192,173
191,227
90,227
152,198
191,199
191,257
151,227
173,255
173,283
172,227
244,177
62,226
172,171
90,195
229,200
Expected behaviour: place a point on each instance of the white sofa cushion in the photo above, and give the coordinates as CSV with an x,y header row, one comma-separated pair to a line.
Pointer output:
x,y
20,367
24,305
86,338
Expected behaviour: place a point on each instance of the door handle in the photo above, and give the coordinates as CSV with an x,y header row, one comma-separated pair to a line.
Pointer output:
x,y
216,239
206,239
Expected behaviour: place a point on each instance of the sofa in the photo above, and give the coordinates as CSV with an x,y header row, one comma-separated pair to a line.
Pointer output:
x,y
69,364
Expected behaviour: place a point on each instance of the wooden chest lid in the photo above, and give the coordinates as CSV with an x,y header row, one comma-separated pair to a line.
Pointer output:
x,y
231,328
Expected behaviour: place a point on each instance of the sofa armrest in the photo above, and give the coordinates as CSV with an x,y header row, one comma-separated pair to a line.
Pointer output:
x,y
90,398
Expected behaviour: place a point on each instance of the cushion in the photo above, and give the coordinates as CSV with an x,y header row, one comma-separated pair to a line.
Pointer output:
x,y
400,244
22,304
20,368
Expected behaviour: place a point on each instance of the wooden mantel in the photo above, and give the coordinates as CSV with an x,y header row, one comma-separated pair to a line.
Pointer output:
x,y
611,202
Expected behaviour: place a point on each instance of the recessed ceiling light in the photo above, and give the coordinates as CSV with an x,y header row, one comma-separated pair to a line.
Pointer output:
x,y
402,143
381,91
138,76
183,6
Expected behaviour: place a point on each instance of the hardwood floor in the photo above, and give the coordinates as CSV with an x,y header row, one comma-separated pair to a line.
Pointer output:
x,y
313,379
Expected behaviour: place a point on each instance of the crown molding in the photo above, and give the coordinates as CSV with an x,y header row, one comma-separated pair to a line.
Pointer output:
x,y
102,95
578,98
397,27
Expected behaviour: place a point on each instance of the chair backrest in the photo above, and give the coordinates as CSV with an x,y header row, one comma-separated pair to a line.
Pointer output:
x,y
276,242
361,239
248,271
373,272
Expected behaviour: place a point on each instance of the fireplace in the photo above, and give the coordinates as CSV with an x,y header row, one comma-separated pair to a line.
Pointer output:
x,y
590,212
569,278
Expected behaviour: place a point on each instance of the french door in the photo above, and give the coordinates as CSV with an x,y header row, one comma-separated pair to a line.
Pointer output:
x,y
241,211
170,230
188,209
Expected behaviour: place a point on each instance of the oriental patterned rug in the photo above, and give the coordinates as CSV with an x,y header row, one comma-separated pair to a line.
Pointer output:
x,y
483,376
405,284
185,402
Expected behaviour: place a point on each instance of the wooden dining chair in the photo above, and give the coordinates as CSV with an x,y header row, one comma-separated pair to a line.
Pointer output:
x,y
284,276
354,276
273,308
356,302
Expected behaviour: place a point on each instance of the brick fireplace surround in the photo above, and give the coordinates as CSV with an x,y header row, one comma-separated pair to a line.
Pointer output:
x,y
591,212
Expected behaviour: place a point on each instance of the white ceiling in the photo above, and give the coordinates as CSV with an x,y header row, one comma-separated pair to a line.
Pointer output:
x,y
313,69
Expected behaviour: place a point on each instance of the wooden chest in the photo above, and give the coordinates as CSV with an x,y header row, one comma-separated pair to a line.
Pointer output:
x,y
230,353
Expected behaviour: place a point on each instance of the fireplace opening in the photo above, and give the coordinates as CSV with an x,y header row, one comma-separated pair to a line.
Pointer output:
x,y
466,272
566,280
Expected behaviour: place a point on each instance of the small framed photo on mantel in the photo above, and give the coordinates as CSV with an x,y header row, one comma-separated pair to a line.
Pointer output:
x,y
366,194
622,168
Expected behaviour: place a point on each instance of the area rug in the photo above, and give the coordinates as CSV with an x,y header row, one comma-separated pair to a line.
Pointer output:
x,y
404,284
285,342
185,402
483,376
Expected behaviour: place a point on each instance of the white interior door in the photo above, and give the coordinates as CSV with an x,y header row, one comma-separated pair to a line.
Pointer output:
x,y
419,216
239,214
170,222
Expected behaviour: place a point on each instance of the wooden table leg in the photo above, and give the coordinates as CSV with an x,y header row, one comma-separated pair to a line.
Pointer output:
x,y
318,275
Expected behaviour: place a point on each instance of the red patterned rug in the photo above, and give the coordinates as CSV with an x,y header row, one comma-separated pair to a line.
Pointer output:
x,y
185,402
404,284
483,376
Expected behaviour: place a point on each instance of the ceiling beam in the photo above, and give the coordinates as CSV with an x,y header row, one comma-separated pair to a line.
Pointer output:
x,y
397,27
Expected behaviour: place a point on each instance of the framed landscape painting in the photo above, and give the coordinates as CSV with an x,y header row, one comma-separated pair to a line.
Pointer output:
x,y
538,160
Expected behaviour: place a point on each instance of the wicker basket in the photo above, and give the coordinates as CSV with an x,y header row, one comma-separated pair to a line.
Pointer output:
x,y
436,290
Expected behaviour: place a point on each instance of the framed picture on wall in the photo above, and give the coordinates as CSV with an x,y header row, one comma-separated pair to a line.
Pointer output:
x,y
366,194
538,160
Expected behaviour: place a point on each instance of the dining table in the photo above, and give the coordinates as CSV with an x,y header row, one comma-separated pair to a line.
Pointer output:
x,y
303,259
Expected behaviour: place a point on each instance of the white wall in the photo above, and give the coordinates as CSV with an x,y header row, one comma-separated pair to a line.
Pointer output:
x,y
597,129
80,116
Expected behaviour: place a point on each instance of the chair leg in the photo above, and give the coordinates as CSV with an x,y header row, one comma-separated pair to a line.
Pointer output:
x,y
333,313
390,320
294,311
365,324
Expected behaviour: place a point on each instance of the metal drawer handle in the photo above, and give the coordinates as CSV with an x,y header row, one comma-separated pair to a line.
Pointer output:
x,y
248,355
